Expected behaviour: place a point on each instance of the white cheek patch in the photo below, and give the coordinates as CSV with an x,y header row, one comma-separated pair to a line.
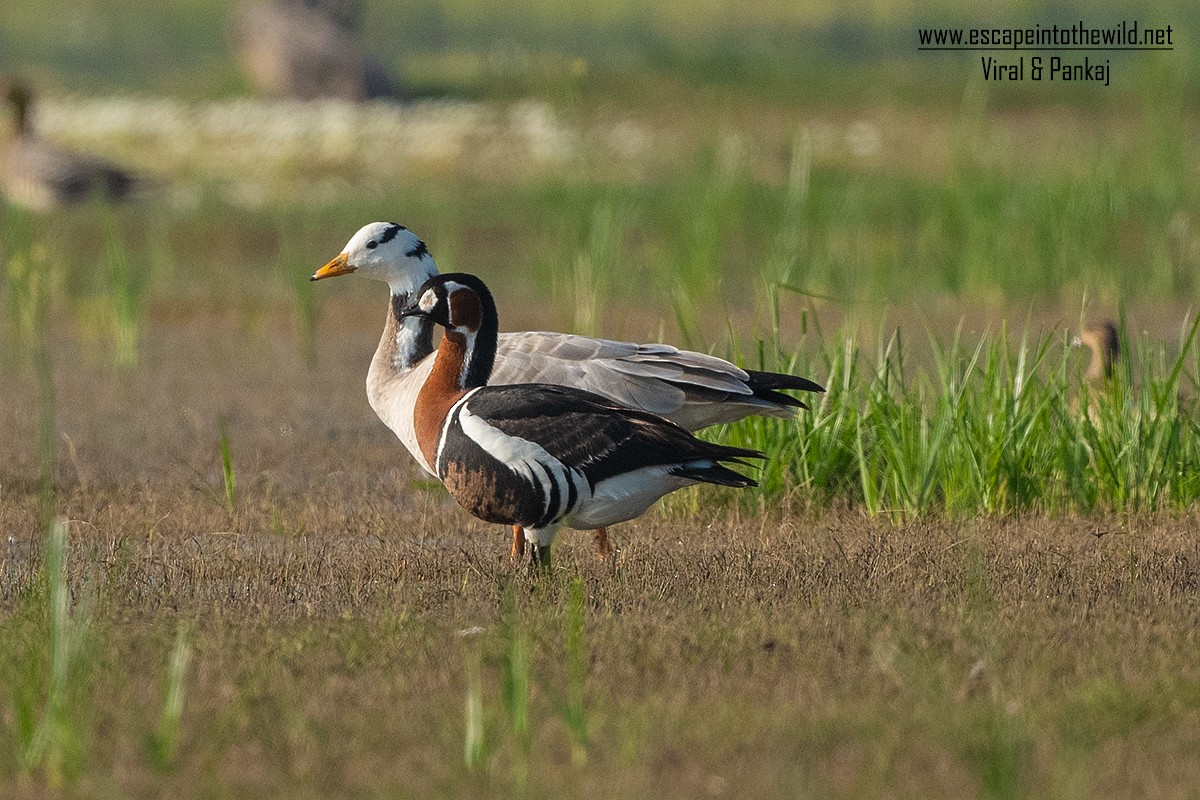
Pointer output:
x,y
428,301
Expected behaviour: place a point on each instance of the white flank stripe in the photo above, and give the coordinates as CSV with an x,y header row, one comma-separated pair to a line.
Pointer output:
x,y
522,456
437,459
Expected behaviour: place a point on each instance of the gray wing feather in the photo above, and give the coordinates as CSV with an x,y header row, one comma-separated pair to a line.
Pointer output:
x,y
565,346
689,359
654,377
650,369
655,396
722,382
643,360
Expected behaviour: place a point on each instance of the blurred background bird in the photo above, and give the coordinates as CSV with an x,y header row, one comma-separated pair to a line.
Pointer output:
x,y
308,49
41,175
1107,392
1103,342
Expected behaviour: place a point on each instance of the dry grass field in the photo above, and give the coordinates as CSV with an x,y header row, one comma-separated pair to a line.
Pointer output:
x,y
222,577
343,630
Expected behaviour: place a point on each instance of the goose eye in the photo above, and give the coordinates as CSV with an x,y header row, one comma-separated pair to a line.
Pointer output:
x,y
372,245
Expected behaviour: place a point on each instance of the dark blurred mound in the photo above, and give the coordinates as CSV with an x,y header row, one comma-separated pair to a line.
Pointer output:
x,y
308,49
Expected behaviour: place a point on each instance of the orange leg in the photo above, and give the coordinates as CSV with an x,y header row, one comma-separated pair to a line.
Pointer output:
x,y
603,548
518,543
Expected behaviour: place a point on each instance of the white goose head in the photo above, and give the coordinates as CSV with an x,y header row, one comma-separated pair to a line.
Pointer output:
x,y
386,252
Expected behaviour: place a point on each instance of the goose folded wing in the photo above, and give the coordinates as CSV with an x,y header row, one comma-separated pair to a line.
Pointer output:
x,y
653,377
590,433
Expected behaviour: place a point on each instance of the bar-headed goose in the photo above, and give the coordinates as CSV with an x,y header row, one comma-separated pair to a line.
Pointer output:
x,y
691,389
307,49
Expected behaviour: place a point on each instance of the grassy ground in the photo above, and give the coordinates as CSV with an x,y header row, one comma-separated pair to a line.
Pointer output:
x,y
377,648
954,582
309,599
315,620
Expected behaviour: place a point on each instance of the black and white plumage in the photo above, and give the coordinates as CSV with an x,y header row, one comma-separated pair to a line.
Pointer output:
x,y
541,456
692,389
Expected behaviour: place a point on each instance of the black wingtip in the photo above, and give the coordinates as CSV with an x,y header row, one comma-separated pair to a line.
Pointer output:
x,y
717,474
767,386
768,381
781,398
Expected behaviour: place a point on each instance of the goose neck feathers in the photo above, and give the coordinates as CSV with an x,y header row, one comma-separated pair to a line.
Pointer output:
x,y
18,99
1104,343
406,341
463,305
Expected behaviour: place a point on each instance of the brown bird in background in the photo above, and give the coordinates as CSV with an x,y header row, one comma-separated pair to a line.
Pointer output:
x,y
1102,340
41,175
1104,343
308,49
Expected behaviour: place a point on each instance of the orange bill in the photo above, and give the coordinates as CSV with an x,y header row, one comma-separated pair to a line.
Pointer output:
x,y
340,265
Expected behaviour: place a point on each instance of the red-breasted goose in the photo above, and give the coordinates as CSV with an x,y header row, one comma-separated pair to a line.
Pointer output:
x,y
540,456
691,389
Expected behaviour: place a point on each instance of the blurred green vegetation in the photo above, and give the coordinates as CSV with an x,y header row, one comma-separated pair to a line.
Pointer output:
x,y
822,187
820,52
1122,224
993,210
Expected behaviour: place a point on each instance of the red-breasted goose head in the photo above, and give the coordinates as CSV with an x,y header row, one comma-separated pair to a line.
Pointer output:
x,y
457,301
463,305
